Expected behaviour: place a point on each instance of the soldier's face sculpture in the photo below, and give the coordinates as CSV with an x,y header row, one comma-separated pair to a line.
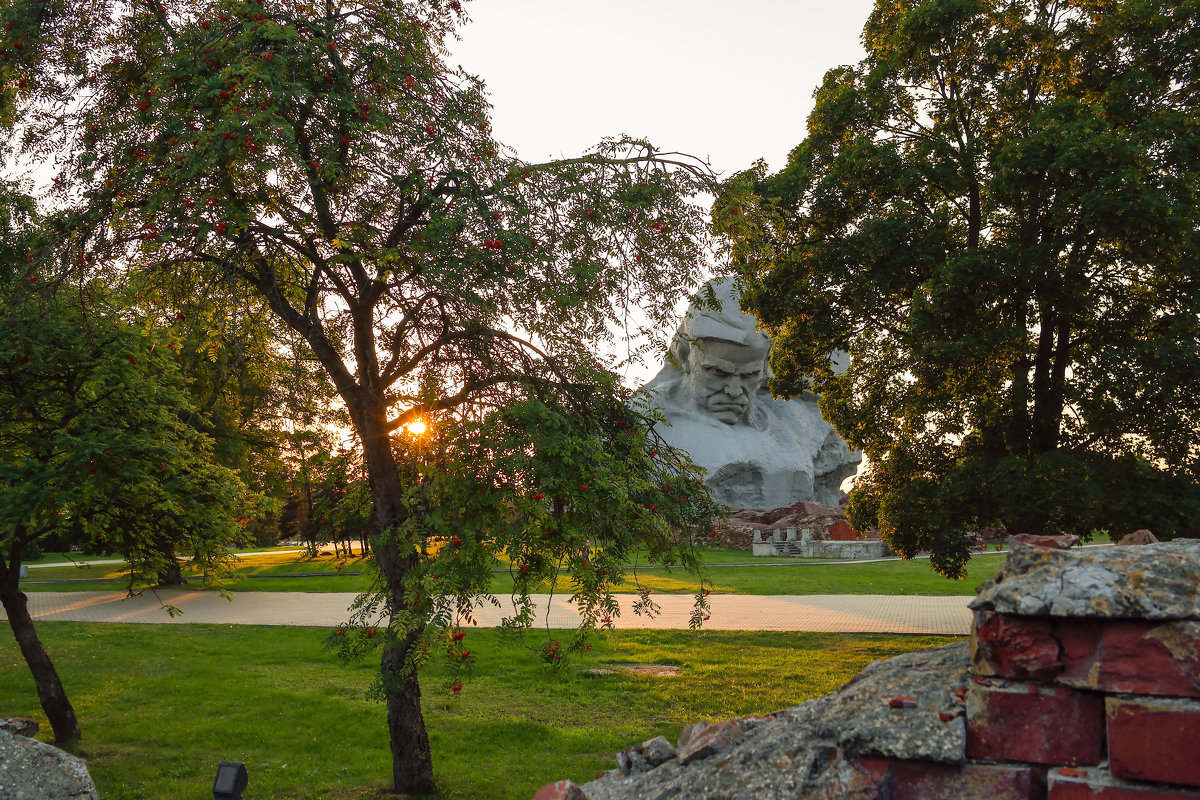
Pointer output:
x,y
724,377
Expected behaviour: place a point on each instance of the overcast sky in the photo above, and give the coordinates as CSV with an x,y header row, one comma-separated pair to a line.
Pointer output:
x,y
730,82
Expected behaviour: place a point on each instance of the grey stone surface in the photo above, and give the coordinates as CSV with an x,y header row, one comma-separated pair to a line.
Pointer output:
x,y
1153,581
757,451
863,548
33,770
646,756
906,707
711,740
810,751
22,726
630,761
658,750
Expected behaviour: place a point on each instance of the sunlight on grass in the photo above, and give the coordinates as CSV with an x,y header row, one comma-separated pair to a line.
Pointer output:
x,y
729,571
160,706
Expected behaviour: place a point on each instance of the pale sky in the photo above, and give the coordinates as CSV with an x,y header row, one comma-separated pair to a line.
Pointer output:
x,y
731,81
727,81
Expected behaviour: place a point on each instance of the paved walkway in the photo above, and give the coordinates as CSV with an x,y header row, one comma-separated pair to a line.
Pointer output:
x,y
829,613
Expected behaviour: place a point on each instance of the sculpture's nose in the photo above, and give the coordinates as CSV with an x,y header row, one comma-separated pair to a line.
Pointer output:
x,y
734,386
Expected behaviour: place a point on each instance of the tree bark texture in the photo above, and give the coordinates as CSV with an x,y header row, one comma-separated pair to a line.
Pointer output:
x,y
50,690
412,760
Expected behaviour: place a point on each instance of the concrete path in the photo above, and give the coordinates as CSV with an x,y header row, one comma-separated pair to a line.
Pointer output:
x,y
829,613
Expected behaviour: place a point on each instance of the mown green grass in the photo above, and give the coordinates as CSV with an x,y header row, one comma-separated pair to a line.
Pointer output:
x,y
278,567
160,706
730,571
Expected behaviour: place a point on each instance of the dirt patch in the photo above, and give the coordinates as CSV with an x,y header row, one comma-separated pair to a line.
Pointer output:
x,y
656,670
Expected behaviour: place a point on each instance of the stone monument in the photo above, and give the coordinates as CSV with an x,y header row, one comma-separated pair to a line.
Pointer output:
x,y
758,452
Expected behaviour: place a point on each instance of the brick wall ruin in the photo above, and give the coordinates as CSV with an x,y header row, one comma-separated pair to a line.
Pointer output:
x,y
1081,680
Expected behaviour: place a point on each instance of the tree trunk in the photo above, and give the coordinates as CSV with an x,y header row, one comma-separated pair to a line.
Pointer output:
x,y
1018,422
306,528
171,572
49,688
1047,391
412,760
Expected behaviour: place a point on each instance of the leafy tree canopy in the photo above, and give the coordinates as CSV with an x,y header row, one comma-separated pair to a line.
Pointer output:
x,y
323,157
98,448
99,444
996,214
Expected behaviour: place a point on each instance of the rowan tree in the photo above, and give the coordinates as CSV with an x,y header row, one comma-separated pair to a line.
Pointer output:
x,y
326,158
996,214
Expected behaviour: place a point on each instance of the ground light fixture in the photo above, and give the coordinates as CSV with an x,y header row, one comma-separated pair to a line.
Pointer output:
x,y
231,780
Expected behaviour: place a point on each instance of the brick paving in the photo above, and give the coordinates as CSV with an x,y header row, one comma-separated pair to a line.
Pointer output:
x,y
827,613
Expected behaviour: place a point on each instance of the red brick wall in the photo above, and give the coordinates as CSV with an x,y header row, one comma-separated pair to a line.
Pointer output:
x,y
1070,709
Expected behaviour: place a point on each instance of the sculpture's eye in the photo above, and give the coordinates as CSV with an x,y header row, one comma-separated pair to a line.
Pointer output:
x,y
720,373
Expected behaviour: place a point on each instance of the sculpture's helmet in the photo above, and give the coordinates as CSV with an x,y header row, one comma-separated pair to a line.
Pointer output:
x,y
714,314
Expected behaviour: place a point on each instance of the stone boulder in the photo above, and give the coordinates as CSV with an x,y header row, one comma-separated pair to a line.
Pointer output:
x,y
1142,536
22,726
33,770
909,707
1046,581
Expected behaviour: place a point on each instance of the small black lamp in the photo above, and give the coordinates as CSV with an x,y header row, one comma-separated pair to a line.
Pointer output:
x,y
231,780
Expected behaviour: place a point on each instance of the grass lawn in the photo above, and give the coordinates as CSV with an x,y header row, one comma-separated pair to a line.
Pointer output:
x,y
731,572
160,706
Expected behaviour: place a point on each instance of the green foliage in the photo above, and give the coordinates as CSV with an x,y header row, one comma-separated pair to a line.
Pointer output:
x,y
341,501
328,163
559,497
97,443
996,214
324,160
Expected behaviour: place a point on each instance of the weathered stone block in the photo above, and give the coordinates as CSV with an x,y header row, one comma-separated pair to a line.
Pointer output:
x,y
630,761
1135,657
658,750
1010,646
561,790
904,708
33,770
1095,783
1064,542
912,780
711,740
1154,739
1154,582
647,755
1129,656
924,780
1138,537
688,732
1009,721
22,726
